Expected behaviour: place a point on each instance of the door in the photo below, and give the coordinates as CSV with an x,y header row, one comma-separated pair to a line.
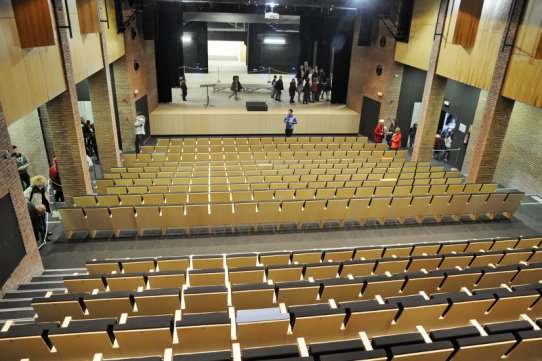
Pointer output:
x,y
370,114
141,106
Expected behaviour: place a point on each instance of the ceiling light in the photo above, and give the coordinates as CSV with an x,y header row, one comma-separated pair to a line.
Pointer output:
x,y
186,39
274,41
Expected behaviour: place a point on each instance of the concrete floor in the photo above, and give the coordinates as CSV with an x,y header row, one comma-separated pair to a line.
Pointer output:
x,y
61,253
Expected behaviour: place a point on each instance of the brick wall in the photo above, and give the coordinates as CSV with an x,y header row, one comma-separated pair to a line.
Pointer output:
x,y
364,81
433,96
498,109
125,103
471,148
47,136
519,162
26,134
31,264
144,79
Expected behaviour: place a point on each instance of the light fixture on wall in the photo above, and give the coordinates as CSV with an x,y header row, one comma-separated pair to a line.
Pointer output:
x,y
136,65
186,39
274,41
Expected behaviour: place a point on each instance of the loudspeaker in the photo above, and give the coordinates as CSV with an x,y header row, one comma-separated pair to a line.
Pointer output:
x,y
256,106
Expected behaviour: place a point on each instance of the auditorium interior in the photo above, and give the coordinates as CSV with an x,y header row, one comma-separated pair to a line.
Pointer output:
x,y
156,205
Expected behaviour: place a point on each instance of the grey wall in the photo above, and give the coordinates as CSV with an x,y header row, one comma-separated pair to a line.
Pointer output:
x,y
281,57
411,92
463,102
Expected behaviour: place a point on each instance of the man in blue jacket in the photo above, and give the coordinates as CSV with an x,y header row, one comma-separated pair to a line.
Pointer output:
x,y
290,121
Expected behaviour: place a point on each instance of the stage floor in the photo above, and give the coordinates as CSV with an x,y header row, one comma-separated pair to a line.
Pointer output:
x,y
175,119
229,116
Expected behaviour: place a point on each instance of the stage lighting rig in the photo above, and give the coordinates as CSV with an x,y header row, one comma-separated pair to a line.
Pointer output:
x,y
271,14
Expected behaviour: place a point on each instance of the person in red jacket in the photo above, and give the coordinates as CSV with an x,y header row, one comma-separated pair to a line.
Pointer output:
x,y
396,139
379,131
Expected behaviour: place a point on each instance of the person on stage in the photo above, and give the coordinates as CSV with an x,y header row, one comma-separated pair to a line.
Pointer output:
x,y
290,121
235,87
279,87
184,89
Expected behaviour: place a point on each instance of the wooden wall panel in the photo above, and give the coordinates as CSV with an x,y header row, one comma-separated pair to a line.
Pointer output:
x,y
538,54
524,75
6,10
87,13
85,49
28,77
474,66
33,23
418,49
115,42
467,21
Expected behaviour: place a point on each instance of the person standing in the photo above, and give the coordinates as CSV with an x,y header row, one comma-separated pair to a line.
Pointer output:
x,y
184,89
54,176
36,194
378,133
391,132
22,165
314,90
299,89
139,126
273,83
327,88
279,87
89,133
412,133
306,92
396,139
292,91
235,87
290,120
36,214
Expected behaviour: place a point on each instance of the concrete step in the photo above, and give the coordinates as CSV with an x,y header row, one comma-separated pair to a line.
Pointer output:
x,y
51,278
41,286
63,271
29,294
17,314
16,303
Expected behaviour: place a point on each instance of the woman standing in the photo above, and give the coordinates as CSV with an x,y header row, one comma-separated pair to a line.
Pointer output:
x,y
396,139
299,89
37,195
292,90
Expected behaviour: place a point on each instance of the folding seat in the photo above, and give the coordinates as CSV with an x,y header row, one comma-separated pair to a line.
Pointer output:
x,y
438,351
317,323
222,214
204,332
494,277
482,259
511,204
464,308
98,219
175,263
73,220
263,327
80,340
252,296
370,316
457,279
207,277
307,256
173,217
284,273
144,336
341,289
383,286
84,283
305,194
427,263
109,304
205,299
166,279
207,261
357,210
197,215
323,270
397,251
493,347
54,308
392,265
510,304
284,194
462,260
322,193
125,281
422,281
268,213
122,218
416,310
298,293
357,268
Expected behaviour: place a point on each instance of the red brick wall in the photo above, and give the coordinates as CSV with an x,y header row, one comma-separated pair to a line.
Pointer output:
x,y
31,264
364,81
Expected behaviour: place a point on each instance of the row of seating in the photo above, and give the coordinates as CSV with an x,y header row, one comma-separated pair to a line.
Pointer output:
x,y
285,155
326,322
303,189
276,163
281,168
260,140
138,195
276,213
183,263
269,147
481,263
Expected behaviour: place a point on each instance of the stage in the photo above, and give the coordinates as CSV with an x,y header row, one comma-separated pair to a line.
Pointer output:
x,y
174,119
229,116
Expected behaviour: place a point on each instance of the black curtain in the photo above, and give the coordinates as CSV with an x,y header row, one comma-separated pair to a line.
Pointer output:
x,y
330,32
195,50
168,48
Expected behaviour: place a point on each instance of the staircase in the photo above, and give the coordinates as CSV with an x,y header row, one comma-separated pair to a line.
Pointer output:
x,y
17,305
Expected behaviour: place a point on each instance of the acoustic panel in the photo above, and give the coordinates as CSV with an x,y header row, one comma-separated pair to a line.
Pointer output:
x,y
466,25
33,19
12,249
87,12
538,54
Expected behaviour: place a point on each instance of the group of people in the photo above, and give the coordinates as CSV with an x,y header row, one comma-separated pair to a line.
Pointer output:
x,y
442,145
35,193
391,134
89,135
309,83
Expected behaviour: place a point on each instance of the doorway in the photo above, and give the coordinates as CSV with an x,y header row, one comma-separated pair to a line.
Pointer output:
x,y
370,113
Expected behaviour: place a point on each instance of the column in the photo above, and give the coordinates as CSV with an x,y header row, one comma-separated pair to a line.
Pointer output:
x,y
433,96
391,97
101,97
125,103
65,124
497,110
